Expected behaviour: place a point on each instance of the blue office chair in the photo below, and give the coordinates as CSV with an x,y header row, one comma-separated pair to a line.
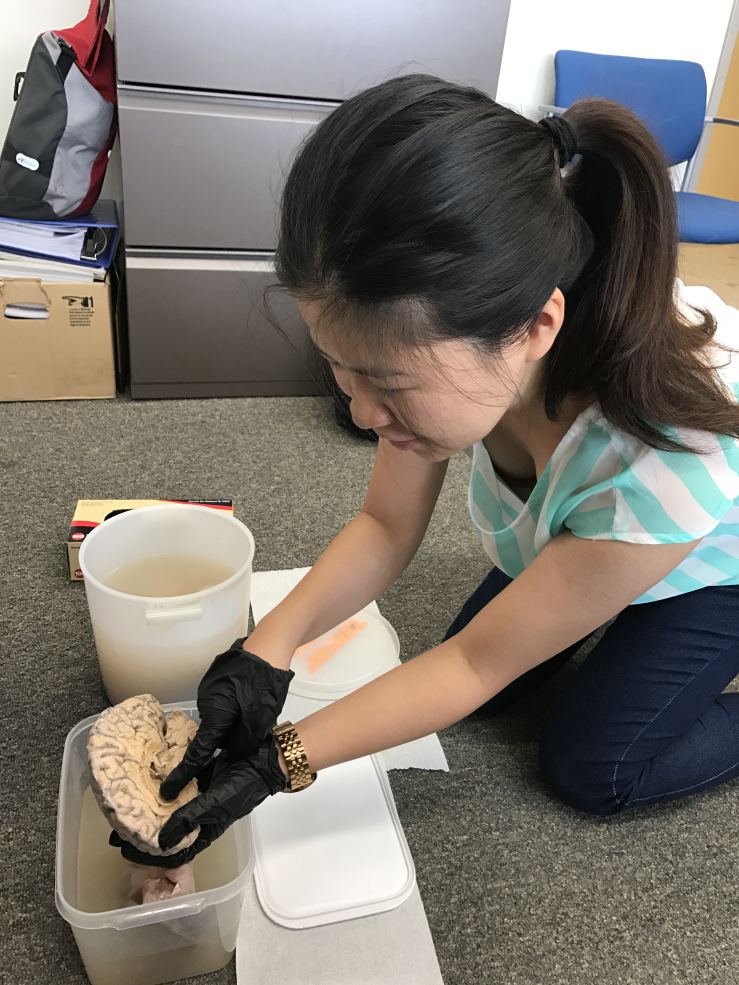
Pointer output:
x,y
670,96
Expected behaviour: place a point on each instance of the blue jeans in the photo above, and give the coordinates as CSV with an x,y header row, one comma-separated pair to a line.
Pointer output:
x,y
644,720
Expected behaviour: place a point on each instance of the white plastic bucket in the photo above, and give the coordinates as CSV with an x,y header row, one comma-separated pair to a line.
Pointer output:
x,y
163,646
156,942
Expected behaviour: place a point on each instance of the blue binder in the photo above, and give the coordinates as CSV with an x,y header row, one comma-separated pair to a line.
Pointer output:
x,y
103,216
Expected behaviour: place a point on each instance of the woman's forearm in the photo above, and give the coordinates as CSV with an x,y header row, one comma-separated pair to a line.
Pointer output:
x,y
355,568
577,586
425,694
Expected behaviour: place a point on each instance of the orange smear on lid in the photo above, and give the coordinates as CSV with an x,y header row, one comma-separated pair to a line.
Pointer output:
x,y
321,654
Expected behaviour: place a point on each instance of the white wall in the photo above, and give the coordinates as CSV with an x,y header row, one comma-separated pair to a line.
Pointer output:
x,y
687,29
22,22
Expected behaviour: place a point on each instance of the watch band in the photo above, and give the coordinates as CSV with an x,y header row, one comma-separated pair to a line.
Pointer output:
x,y
299,772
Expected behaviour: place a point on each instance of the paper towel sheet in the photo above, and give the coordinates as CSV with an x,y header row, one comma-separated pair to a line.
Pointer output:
x,y
393,948
268,588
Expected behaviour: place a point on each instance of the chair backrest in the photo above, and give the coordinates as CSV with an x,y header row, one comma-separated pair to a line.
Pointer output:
x,y
670,96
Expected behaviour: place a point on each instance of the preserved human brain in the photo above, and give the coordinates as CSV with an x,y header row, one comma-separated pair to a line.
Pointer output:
x,y
132,747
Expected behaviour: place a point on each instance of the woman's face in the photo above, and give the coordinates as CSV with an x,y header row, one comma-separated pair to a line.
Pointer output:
x,y
434,400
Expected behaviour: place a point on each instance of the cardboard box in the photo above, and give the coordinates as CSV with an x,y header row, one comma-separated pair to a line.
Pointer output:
x,y
65,356
714,265
90,513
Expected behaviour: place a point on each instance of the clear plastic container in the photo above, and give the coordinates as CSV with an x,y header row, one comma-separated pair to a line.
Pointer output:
x,y
163,646
156,942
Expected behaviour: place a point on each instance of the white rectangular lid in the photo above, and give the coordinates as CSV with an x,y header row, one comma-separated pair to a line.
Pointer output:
x,y
334,851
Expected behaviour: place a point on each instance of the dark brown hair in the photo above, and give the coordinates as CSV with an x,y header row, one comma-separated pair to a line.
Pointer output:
x,y
429,211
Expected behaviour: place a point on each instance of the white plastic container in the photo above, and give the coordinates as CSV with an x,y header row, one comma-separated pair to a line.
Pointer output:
x,y
156,942
163,646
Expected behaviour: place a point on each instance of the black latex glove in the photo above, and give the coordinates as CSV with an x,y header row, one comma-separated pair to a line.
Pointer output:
x,y
239,699
235,789
163,861
239,784
205,837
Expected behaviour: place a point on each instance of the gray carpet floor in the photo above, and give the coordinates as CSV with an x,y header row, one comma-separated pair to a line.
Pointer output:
x,y
518,888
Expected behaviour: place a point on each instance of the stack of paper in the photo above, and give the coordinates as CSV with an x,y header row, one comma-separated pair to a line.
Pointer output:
x,y
14,265
60,242
73,250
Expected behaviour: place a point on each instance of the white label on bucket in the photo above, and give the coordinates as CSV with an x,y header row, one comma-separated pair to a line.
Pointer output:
x,y
27,162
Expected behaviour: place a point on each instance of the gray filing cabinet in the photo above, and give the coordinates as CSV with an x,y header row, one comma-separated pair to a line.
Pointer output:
x,y
214,98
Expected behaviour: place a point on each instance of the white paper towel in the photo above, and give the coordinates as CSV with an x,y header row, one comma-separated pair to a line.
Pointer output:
x,y
393,948
268,588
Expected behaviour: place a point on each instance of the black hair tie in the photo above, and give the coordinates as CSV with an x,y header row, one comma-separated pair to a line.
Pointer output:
x,y
563,136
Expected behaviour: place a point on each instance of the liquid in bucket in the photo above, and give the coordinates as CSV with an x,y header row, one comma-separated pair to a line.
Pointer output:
x,y
179,947
169,672
168,575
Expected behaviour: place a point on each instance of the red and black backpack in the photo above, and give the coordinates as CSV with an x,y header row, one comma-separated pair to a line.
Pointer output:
x,y
64,124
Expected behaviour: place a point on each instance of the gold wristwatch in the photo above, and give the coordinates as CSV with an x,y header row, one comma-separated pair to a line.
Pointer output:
x,y
299,774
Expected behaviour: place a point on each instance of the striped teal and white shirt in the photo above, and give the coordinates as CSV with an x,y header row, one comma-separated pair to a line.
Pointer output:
x,y
602,484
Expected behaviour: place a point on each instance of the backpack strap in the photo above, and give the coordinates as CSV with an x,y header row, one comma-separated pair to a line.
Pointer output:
x,y
66,59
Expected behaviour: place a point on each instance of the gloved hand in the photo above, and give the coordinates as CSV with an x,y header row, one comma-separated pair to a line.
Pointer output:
x,y
237,785
239,699
132,854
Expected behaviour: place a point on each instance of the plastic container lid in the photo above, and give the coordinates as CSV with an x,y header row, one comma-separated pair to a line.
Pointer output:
x,y
372,652
334,851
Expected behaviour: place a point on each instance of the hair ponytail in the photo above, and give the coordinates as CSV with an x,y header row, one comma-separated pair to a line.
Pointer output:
x,y
428,211
624,337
